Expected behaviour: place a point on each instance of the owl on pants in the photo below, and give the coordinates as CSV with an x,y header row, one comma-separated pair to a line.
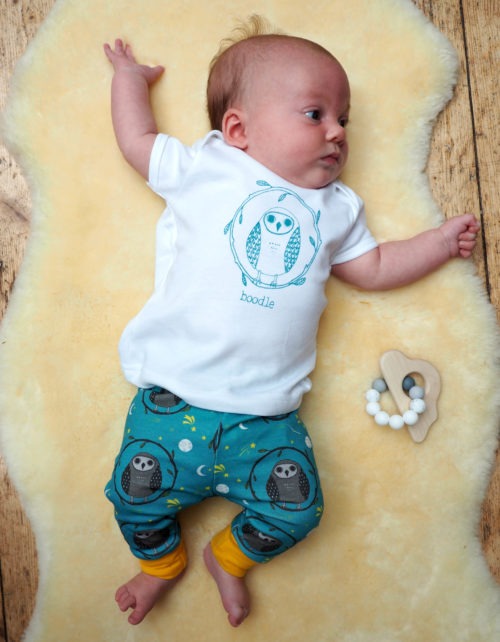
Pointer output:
x,y
142,476
259,541
288,483
152,538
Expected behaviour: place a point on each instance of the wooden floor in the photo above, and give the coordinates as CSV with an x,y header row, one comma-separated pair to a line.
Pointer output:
x,y
462,171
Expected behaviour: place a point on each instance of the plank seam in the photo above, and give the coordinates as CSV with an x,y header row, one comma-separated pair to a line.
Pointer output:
x,y
476,152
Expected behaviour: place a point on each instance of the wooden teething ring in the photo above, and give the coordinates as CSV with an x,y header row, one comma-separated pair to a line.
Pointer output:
x,y
394,366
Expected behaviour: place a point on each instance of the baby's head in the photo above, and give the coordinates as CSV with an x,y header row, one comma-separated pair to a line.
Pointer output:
x,y
284,101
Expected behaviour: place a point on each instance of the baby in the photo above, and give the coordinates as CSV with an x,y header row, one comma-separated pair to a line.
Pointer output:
x,y
257,219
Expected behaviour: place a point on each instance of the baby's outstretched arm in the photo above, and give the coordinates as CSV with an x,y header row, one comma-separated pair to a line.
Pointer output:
x,y
133,120
398,263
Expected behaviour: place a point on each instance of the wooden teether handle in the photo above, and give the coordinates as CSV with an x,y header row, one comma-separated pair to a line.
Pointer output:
x,y
395,366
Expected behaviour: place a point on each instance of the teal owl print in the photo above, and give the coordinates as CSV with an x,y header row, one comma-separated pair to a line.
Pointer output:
x,y
274,237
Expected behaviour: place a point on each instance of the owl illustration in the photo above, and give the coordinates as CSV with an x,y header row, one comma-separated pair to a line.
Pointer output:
x,y
162,402
142,476
164,398
273,244
259,541
288,483
152,538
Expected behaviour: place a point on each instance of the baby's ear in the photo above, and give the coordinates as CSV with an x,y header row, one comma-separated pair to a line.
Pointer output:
x,y
234,128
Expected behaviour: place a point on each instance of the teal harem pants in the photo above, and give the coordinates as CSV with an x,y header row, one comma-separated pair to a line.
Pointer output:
x,y
174,456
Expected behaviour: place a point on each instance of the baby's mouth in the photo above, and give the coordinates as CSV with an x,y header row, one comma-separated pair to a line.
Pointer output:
x,y
331,159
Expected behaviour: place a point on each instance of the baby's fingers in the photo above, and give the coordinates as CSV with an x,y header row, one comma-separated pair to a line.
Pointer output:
x,y
468,236
107,50
466,244
127,50
120,51
465,253
470,230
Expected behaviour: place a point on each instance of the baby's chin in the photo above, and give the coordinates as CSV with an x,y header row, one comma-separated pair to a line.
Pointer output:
x,y
319,182
322,176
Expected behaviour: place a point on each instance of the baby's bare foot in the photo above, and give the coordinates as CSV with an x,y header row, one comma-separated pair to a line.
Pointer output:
x,y
141,593
233,590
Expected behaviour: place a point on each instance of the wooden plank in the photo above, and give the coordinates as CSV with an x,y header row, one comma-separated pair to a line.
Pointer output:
x,y
481,27
18,23
462,166
3,631
451,166
490,522
14,195
19,561
14,226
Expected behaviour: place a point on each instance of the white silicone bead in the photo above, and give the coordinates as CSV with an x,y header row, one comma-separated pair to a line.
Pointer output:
x,y
396,422
418,405
417,392
382,418
372,395
410,417
372,407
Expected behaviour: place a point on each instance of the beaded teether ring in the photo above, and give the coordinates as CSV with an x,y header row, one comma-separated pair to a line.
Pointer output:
x,y
409,417
396,376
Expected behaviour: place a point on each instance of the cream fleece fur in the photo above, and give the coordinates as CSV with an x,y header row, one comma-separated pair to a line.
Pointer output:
x,y
396,558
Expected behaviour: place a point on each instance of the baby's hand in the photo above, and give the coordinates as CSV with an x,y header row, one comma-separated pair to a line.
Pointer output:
x,y
460,234
122,59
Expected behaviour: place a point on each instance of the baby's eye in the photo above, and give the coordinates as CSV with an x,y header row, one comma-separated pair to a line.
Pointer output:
x,y
343,122
314,114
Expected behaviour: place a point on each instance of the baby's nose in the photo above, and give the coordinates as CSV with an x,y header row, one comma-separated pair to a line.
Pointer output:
x,y
336,133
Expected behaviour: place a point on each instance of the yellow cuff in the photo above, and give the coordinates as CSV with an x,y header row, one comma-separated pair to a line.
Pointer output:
x,y
228,554
166,567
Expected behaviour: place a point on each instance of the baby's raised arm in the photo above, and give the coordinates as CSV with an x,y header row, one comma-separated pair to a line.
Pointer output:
x,y
133,120
398,263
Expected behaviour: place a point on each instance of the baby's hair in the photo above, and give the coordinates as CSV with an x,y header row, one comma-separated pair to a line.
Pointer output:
x,y
254,25
224,86
250,42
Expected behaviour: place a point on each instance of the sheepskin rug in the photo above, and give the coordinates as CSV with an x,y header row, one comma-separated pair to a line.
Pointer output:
x,y
396,558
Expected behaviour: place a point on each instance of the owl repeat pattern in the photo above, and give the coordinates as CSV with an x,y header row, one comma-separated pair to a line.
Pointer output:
x,y
276,484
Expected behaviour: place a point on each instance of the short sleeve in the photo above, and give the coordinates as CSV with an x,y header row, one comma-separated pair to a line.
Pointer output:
x,y
358,239
169,164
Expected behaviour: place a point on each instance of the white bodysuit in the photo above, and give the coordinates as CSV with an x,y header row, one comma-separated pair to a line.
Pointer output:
x,y
242,261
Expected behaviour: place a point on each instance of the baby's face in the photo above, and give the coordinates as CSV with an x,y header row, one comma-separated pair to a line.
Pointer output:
x,y
296,117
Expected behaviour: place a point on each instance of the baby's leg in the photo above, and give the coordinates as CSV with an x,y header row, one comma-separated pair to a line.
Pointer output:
x,y
231,579
141,593
157,577
280,495
144,472
233,590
